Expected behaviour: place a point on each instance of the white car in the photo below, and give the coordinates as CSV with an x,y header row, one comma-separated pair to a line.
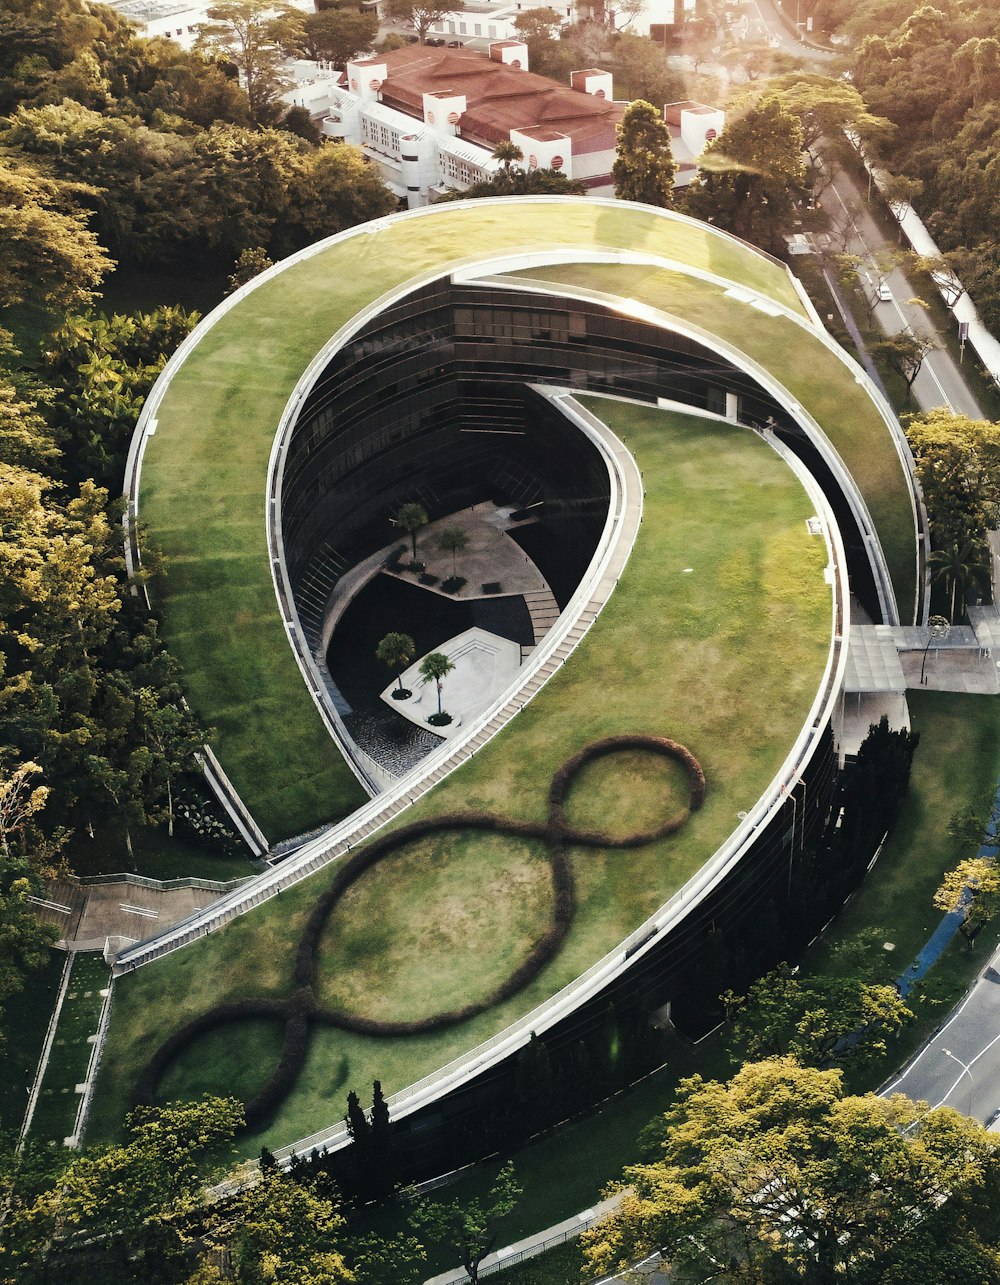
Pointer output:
x,y
884,293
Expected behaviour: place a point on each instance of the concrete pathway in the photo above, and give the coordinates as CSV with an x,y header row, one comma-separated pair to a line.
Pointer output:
x,y
128,909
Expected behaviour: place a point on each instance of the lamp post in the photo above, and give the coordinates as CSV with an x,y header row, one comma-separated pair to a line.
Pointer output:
x,y
938,629
966,1071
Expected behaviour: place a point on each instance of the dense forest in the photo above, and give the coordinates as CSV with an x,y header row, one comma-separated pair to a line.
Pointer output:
x,y
128,153
934,72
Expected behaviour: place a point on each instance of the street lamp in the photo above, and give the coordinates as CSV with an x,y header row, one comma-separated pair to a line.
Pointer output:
x,y
938,629
966,1071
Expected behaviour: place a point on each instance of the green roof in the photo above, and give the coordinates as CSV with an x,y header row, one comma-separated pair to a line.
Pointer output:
x,y
202,497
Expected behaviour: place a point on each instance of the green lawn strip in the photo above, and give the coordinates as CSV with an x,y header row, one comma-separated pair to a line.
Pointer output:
x,y
559,1266
692,656
56,1108
156,856
955,769
23,1024
204,473
809,371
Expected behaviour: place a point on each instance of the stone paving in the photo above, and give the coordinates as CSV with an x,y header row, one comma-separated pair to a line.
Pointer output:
x,y
124,909
489,557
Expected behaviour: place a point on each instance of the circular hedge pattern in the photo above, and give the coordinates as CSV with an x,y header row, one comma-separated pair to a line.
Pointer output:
x,y
300,1011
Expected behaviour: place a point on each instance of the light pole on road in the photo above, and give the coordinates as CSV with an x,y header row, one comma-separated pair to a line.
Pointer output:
x,y
965,1069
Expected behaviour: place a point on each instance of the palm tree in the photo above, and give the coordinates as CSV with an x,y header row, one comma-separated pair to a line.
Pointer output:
x,y
453,540
396,651
958,566
433,668
410,518
508,154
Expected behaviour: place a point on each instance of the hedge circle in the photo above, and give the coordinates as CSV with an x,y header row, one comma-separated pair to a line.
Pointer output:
x,y
300,1011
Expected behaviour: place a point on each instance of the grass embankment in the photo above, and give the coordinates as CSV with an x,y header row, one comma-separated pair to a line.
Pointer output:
x,y
717,636
203,479
25,1020
808,370
55,1111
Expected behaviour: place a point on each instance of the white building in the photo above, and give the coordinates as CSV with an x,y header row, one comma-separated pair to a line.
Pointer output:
x,y
431,117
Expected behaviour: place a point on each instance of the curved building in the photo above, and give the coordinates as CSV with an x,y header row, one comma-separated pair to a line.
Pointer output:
x,y
462,356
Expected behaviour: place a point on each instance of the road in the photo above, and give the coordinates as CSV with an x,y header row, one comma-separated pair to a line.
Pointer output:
x,y
940,381
768,26
972,1037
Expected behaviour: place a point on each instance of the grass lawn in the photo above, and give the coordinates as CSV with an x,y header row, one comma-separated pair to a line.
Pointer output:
x,y
55,1111
687,654
24,1022
559,1266
203,478
814,375
156,855
955,769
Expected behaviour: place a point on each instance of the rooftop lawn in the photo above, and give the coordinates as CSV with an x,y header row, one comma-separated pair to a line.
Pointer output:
x,y
203,478
810,372
725,657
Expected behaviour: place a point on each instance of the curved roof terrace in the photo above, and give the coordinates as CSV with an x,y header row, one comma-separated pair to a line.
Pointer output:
x,y
203,443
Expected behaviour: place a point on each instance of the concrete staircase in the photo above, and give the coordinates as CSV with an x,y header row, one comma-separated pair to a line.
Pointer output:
x,y
544,611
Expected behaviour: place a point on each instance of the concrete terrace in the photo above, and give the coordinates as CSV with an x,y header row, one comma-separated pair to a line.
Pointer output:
x,y
208,431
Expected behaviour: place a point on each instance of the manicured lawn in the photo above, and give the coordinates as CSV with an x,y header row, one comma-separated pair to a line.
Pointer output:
x,y
808,370
55,1111
685,653
202,492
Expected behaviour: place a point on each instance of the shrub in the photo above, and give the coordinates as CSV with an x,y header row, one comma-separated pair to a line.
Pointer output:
x,y
453,584
492,586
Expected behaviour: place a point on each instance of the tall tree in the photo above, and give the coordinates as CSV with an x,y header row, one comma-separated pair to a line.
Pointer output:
x,y
396,651
49,255
121,1213
420,15
435,667
644,165
778,1176
453,540
410,518
470,1230
957,567
246,32
752,175
24,857
280,1229
905,353
973,887
820,1021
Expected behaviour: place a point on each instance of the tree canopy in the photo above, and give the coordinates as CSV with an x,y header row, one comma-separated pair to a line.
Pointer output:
x,y
644,165
751,176
779,1176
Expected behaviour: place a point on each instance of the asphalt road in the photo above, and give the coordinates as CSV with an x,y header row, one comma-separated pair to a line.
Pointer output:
x,y
940,381
971,1035
768,26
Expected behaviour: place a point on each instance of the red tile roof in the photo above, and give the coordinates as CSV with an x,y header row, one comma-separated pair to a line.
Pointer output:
x,y
499,98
